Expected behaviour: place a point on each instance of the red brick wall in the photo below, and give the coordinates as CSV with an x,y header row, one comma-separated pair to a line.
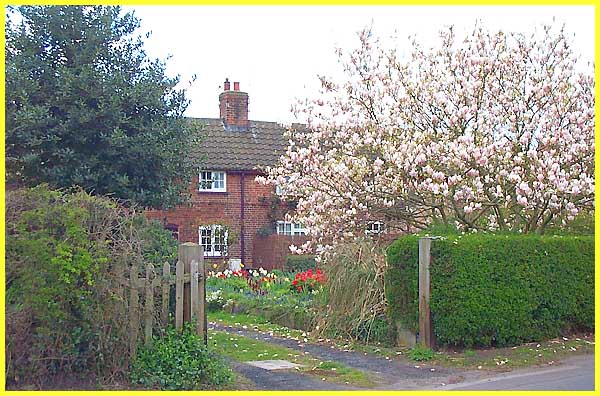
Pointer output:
x,y
233,108
270,251
208,208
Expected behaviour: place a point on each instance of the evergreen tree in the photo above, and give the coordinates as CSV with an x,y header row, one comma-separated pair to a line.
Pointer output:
x,y
86,106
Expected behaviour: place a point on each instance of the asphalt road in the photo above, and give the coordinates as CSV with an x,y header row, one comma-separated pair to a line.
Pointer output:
x,y
572,374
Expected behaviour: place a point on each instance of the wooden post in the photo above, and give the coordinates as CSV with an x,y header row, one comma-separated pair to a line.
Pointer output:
x,y
425,327
149,304
179,295
202,318
133,311
194,303
187,252
164,315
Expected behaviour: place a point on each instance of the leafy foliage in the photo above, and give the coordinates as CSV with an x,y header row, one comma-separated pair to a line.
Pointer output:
x,y
497,290
159,244
86,107
295,263
67,256
179,361
420,353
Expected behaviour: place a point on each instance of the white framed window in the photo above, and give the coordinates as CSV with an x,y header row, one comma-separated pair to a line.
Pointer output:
x,y
287,228
212,181
213,239
375,227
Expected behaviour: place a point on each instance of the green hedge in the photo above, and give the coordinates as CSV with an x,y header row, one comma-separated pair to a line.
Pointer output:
x,y
299,263
496,290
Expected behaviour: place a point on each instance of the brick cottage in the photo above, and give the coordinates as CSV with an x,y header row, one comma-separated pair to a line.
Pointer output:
x,y
233,217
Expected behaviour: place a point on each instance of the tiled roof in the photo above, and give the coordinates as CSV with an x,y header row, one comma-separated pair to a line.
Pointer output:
x,y
229,148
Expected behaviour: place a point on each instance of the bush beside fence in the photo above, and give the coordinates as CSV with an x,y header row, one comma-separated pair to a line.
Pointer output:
x,y
496,290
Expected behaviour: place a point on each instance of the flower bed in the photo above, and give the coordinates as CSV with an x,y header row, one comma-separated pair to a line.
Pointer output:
x,y
281,297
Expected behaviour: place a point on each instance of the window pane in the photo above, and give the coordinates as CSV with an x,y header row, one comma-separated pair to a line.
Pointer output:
x,y
219,240
205,240
206,180
218,176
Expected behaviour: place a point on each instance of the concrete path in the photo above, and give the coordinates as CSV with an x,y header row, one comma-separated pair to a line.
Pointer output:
x,y
283,379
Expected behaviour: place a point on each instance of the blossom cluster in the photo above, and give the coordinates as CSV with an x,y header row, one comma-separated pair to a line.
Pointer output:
x,y
493,132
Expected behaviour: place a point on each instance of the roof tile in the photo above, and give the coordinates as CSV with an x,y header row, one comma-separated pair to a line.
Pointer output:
x,y
254,148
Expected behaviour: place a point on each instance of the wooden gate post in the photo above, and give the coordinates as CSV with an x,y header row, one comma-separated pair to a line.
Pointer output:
x,y
425,326
187,253
198,295
202,317
191,287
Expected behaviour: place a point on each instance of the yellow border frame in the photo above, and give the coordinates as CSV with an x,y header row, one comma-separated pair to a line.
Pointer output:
x,y
285,3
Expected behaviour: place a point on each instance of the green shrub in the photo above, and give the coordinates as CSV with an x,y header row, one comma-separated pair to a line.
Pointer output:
x,y
496,290
179,361
67,256
420,354
159,246
299,263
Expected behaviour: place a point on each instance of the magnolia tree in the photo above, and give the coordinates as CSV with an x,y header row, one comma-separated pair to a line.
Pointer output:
x,y
493,132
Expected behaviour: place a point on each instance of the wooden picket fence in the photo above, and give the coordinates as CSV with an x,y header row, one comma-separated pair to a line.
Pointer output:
x,y
190,295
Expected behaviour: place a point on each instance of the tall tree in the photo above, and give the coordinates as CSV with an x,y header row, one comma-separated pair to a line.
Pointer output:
x,y
492,132
86,106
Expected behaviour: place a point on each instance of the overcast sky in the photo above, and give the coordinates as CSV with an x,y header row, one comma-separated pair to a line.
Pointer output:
x,y
276,53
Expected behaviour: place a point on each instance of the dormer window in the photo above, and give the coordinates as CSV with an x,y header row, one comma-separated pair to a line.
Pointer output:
x,y
212,181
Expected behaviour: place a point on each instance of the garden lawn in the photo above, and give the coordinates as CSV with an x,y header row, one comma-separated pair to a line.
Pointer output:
x,y
245,349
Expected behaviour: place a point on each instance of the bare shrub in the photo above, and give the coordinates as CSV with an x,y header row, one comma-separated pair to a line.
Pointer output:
x,y
353,298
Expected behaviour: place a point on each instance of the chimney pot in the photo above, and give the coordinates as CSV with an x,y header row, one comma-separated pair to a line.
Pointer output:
x,y
226,86
236,86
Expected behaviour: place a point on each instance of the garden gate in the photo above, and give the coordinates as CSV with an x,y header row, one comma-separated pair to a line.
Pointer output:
x,y
190,294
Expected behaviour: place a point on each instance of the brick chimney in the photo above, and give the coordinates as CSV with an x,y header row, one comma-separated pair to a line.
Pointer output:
x,y
233,106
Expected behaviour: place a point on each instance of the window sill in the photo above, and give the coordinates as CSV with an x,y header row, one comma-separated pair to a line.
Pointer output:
x,y
207,192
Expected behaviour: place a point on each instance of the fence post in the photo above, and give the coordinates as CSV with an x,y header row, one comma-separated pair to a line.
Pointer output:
x,y
164,316
194,303
425,327
149,304
187,252
134,312
179,295
202,318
